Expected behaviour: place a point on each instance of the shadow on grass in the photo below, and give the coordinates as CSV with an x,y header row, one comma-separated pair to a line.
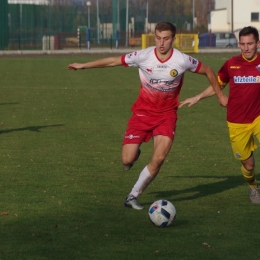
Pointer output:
x,y
202,189
13,103
28,128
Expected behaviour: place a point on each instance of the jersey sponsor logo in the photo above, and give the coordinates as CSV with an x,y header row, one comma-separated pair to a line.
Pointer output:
x,y
174,73
149,70
234,67
160,81
249,79
162,66
161,88
132,136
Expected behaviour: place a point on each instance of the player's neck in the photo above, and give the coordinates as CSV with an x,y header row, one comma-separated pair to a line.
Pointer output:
x,y
250,58
164,56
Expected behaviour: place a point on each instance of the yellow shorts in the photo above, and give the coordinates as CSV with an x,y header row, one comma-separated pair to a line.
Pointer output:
x,y
242,138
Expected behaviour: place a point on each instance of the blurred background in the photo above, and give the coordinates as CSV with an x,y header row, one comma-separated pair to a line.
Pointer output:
x,y
65,24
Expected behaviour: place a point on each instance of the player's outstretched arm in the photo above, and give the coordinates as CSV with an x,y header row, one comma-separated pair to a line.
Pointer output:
x,y
102,63
210,74
208,92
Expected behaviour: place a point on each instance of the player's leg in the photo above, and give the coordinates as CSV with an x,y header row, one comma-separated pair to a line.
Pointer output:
x,y
248,172
133,138
243,146
249,165
130,154
163,135
162,146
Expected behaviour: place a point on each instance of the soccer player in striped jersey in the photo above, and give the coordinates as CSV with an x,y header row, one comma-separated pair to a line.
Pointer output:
x,y
154,113
242,73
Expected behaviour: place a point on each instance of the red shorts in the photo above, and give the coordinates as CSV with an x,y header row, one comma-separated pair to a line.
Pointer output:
x,y
141,128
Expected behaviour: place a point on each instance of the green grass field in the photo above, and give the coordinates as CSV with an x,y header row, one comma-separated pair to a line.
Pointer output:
x,y
62,188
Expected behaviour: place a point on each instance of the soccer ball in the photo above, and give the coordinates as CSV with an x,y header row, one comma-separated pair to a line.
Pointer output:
x,y
162,213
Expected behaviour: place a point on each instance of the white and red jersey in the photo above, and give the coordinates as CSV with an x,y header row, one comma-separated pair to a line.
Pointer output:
x,y
161,81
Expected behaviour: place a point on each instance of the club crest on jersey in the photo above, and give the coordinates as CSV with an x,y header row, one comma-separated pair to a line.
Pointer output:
x,y
258,67
149,70
238,156
174,73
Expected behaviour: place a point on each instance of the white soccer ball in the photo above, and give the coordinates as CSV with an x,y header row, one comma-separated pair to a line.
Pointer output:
x,y
162,213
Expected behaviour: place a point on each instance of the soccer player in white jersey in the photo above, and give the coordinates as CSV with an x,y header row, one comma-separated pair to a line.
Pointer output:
x,y
161,71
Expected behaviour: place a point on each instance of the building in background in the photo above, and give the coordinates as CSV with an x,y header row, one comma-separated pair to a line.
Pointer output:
x,y
233,15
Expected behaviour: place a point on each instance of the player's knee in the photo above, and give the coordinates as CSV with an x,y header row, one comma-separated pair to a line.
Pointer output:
x,y
248,166
126,160
159,159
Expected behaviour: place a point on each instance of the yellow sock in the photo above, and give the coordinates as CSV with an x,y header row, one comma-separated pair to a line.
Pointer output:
x,y
249,176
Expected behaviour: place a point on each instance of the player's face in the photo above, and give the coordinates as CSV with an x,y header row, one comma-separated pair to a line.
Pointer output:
x,y
248,46
163,41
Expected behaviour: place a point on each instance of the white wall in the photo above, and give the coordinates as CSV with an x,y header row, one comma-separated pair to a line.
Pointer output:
x,y
221,17
219,21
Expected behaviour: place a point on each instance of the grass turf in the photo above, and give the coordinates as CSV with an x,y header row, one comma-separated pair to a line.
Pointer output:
x,y
61,184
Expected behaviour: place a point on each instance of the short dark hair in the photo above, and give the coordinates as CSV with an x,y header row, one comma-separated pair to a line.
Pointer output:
x,y
249,30
166,26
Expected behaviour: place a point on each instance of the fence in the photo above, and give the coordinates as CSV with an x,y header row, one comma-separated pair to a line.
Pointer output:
x,y
33,26
4,23
184,42
30,24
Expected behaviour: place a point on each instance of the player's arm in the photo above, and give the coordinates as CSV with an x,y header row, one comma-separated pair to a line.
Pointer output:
x,y
206,70
208,92
102,63
213,89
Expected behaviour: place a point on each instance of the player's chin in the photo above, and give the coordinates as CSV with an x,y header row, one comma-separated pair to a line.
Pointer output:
x,y
162,50
248,55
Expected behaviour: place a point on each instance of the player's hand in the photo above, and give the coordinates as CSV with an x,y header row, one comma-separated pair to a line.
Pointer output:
x,y
190,101
76,66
